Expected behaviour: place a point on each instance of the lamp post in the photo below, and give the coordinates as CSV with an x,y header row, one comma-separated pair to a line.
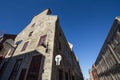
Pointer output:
x,y
58,59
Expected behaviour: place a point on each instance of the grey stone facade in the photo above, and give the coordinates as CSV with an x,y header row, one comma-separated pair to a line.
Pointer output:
x,y
36,49
108,60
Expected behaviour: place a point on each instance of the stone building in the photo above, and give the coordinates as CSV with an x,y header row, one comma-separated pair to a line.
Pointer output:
x,y
108,60
42,53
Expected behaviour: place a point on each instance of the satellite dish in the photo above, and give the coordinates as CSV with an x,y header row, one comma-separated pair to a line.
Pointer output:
x,y
58,58
18,42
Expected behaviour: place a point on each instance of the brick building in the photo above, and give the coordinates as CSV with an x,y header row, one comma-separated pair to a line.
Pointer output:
x,y
108,60
38,46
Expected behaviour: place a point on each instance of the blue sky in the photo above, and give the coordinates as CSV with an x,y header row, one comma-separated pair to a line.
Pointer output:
x,y
85,23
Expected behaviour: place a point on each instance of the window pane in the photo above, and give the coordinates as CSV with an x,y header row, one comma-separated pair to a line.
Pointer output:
x,y
15,69
34,68
22,74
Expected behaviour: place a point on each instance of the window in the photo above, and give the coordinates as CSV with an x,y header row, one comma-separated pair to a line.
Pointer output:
x,y
1,39
15,69
25,46
11,51
30,34
73,78
60,34
65,51
33,25
59,45
34,68
60,74
119,30
3,68
1,58
42,40
22,74
66,76
114,43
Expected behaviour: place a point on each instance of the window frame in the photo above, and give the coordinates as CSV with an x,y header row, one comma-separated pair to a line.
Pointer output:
x,y
34,68
25,46
42,40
